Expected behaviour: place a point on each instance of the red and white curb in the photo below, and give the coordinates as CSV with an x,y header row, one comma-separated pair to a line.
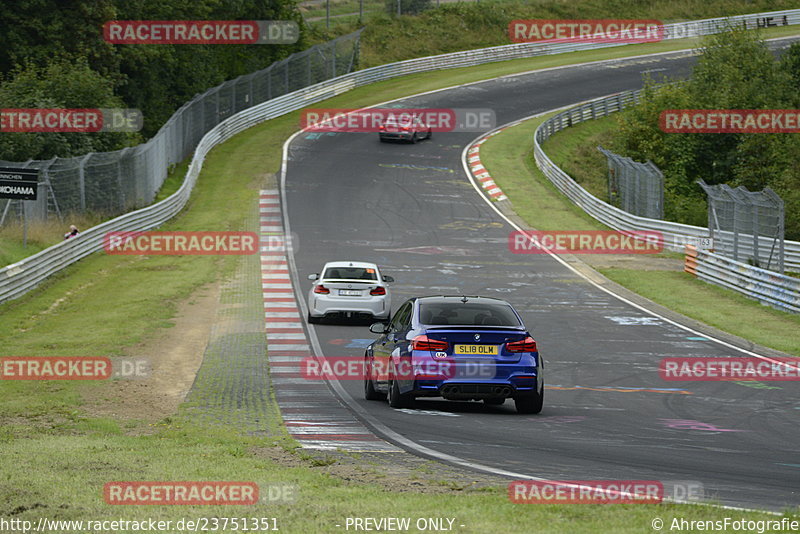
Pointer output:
x,y
312,415
479,171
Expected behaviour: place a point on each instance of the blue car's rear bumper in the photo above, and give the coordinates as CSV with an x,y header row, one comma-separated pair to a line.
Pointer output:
x,y
454,379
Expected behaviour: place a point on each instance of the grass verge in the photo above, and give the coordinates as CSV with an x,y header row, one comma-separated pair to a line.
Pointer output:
x,y
574,149
468,25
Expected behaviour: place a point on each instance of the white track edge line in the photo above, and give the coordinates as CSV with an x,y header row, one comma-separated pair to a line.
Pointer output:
x,y
344,395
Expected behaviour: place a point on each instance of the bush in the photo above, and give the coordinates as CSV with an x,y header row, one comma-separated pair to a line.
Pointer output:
x,y
407,7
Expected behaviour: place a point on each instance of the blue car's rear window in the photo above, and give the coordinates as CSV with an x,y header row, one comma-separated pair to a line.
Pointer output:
x,y
467,314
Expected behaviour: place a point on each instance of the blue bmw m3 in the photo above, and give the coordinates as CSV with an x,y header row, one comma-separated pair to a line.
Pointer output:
x,y
458,348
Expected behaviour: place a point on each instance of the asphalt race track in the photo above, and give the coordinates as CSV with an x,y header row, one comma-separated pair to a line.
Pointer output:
x,y
608,415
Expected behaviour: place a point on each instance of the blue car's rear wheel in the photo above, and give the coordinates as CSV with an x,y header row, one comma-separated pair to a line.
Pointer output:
x,y
530,403
370,393
397,399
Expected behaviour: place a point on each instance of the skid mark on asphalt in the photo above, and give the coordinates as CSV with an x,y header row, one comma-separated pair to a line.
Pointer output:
x,y
416,167
690,424
312,415
354,343
622,389
635,320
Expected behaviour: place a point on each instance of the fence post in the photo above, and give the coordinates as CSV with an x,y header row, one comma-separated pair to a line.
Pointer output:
x,y
121,158
82,180
269,83
333,60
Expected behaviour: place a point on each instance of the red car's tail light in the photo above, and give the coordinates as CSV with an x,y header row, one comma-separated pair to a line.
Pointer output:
x,y
380,290
526,345
322,289
424,343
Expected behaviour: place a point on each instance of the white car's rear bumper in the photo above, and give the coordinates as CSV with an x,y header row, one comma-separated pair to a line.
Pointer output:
x,y
320,305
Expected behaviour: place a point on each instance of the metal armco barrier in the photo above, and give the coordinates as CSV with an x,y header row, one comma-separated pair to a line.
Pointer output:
x,y
676,235
777,290
18,278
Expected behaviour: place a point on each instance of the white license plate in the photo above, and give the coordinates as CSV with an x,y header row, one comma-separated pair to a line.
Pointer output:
x,y
350,292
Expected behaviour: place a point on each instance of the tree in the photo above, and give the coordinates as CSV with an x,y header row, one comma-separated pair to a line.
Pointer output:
x,y
59,84
735,71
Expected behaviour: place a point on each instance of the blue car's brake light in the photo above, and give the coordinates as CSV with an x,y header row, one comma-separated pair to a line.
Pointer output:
x,y
425,343
525,345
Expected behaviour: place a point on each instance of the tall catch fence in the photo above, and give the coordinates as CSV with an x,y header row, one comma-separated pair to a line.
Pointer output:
x,y
637,188
112,183
747,226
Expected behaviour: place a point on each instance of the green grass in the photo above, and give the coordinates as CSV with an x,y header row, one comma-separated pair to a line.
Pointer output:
x,y
178,452
44,234
56,458
468,25
174,180
41,235
509,158
575,150
715,306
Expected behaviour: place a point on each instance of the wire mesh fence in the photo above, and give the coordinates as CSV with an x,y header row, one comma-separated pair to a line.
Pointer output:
x,y
637,188
111,183
747,226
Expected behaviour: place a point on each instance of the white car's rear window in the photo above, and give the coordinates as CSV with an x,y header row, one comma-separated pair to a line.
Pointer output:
x,y
350,273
